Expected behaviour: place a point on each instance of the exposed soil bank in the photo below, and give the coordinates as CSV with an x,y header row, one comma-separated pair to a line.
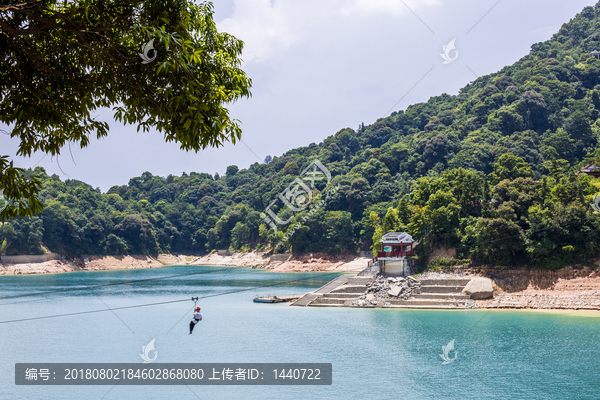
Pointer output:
x,y
564,289
311,262
279,263
94,263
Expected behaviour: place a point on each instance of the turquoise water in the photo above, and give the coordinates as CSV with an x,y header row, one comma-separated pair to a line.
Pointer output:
x,y
376,353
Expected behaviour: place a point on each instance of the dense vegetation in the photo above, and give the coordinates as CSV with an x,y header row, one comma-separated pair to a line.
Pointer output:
x,y
491,171
64,59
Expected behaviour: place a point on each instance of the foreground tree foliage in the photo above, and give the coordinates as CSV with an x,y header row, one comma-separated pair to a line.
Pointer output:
x,y
491,171
63,60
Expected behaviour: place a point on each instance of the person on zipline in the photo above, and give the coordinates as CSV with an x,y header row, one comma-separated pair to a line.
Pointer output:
x,y
197,318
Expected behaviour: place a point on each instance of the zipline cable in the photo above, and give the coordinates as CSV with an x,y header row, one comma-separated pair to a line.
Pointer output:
x,y
125,282
110,284
166,302
94,311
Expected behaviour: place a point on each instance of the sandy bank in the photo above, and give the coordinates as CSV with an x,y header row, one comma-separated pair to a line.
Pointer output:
x,y
319,262
285,263
254,259
94,263
261,260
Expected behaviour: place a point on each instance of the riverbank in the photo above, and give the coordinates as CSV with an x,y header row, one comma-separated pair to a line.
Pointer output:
x,y
565,289
259,260
88,263
312,262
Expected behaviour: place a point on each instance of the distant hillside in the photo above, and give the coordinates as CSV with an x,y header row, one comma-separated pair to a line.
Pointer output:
x,y
489,171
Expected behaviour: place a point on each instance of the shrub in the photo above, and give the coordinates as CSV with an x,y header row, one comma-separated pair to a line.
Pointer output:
x,y
442,263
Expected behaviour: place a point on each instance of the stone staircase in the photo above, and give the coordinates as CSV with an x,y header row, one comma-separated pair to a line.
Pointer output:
x,y
342,295
436,293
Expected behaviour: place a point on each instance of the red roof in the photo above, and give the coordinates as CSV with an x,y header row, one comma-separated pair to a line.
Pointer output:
x,y
591,169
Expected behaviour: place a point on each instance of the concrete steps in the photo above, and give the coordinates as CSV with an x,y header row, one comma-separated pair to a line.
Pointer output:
x,y
441,289
331,302
327,300
341,295
360,280
335,299
305,300
445,282
340,292
337,282
350,289
326,305
441,296
436,294
428,302
427,307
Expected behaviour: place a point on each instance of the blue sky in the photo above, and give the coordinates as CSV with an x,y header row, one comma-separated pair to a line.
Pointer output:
x,y
321,66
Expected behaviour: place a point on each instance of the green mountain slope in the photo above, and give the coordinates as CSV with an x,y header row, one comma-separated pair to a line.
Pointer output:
x,y
490,171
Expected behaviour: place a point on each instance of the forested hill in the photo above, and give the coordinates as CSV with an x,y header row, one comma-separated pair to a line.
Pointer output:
x,y
490,170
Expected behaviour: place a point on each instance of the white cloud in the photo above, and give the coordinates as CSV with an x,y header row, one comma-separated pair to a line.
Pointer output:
x,y
388,7
270,27
261,24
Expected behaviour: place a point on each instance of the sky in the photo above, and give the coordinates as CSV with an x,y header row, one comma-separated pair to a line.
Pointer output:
x,y
320,66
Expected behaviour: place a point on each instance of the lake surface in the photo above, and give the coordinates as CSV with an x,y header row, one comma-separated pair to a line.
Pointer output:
x,y
375,353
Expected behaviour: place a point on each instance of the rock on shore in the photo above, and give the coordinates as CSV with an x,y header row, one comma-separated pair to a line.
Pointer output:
x,y
479,289
383,289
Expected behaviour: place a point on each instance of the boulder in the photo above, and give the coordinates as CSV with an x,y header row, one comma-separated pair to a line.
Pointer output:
x,y
395,290
370,297
479,289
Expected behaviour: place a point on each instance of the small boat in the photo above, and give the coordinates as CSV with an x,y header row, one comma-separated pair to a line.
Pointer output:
x,y
276,299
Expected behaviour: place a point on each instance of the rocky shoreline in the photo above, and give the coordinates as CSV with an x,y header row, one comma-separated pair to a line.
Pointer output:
x,y
568,289
383,289
564,289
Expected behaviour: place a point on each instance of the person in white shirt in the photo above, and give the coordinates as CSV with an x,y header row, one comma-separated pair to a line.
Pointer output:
x,y
197,318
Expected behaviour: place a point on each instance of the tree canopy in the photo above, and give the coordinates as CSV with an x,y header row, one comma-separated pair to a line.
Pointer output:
x,y
63,60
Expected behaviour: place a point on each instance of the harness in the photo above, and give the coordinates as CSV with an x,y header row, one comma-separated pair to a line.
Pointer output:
x,y
195,300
